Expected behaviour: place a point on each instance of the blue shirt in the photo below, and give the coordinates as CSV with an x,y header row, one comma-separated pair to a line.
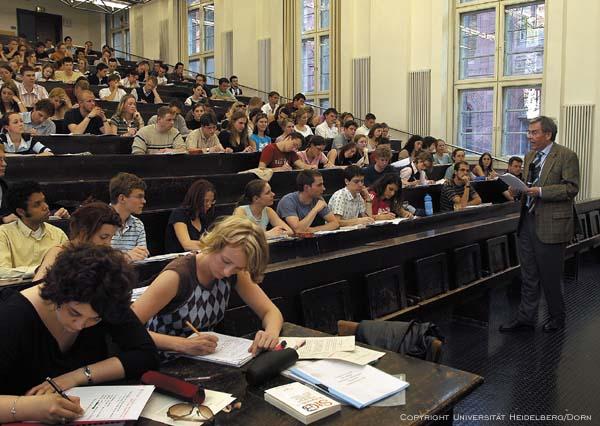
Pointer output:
x,y
290,205
260,141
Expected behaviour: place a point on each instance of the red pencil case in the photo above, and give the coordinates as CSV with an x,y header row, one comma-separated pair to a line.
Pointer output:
x,y
175,387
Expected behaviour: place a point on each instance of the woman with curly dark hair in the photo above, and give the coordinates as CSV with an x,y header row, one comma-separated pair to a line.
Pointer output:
x,y
94,223
63,329
189,221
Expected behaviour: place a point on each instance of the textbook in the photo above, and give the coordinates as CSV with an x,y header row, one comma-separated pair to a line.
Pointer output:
x,y
232,351
357,385
302,402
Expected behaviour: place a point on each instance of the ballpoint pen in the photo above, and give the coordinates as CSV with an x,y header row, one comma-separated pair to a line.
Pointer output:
x,y
57,388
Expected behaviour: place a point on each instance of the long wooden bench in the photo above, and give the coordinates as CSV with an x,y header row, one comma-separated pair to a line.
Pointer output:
x,y
103,167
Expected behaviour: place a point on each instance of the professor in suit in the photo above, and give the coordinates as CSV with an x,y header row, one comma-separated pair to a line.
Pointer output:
x,y
546,225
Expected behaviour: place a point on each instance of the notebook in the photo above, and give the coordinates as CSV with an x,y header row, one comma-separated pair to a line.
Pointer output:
x,y
302,402
232,351
357,385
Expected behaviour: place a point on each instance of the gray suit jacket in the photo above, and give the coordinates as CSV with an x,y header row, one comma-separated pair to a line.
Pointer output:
x,y
559,180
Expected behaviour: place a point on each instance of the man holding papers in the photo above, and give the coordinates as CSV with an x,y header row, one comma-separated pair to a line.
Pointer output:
x,y
197,287
60,330
546,224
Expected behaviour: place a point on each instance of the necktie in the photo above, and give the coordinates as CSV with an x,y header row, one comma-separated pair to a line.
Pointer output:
x,y
535,175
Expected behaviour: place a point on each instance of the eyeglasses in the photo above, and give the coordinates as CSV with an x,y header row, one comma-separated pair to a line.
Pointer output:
x,y
534,132
190,412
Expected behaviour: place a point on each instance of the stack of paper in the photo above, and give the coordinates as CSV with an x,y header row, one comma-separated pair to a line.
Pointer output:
x,y
395,221
232,351
136,293
302,402
161,257
514,182
319,347
338,347
341,229
159,404
356,385
478,205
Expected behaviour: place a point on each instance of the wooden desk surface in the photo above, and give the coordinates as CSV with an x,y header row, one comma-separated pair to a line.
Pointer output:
x,y
434,389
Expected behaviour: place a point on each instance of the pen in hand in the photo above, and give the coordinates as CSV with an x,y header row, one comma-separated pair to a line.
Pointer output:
x,y
57,388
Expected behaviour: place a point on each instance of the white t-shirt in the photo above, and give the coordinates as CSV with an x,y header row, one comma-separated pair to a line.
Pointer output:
x,y
106,92
266,108
307,131
325,131
362,130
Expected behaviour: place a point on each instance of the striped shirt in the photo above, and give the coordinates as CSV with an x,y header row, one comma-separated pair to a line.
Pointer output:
x,y
123,125
449,191
148,139
30,98
130,235
25,147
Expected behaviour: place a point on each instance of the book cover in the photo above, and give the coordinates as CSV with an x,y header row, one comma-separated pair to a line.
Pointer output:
x,y
302,402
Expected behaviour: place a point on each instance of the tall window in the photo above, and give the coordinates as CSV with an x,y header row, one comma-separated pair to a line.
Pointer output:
x,y
119,33
201,36
314,51
498,73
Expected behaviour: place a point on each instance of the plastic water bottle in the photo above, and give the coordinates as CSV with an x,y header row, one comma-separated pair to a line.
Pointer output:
x,y
428,205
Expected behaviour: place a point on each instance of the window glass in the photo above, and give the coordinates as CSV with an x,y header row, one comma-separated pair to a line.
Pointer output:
x,y
476,119
477,44
324,14
308,15
520,104
324,69
194,66
308,65
524,39
209,27
209,66
193,31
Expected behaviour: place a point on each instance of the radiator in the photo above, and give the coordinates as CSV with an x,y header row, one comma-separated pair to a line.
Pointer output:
x,y
264,66
578,134
227,61
419,102
361,78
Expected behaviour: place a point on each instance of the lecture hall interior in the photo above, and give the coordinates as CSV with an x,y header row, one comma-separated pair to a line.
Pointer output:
x,y
409,181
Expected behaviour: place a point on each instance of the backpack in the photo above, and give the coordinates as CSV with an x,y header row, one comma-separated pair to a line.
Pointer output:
x,y
421,340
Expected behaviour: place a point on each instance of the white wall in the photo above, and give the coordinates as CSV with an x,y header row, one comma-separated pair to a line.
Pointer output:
x,y
571,65
78,24
152,14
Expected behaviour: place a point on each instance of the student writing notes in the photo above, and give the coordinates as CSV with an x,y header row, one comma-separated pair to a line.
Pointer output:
x,y
197,287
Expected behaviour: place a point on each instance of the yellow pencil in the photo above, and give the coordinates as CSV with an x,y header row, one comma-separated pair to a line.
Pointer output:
x,y
194,329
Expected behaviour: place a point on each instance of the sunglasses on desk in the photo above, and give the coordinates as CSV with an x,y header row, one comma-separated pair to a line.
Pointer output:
x,y
190,412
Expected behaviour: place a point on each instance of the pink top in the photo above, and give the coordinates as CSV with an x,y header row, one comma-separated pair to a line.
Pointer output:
x,y
315,161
